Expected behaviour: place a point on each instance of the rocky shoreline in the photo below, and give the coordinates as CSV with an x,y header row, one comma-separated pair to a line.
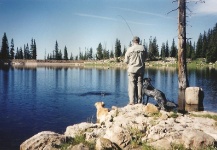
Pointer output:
x,y
134,127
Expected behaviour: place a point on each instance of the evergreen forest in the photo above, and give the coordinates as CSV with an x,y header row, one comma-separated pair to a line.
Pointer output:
x,y
204,47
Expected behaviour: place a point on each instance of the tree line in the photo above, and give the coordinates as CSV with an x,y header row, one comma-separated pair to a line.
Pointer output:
x,y
8,51
205,47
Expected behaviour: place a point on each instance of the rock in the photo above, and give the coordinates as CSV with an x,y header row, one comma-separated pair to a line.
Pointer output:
x,y
150,109
118,135
194,95
80,146
127,127
196,139
105,144
76,129
43,140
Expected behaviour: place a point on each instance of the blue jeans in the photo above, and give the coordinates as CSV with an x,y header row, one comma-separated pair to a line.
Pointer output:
x,y
135,81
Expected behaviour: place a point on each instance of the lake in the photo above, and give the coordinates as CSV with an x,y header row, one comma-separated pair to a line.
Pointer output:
x,y
52,98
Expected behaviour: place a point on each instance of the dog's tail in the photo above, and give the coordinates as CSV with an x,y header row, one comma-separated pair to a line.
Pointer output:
x,y
171,104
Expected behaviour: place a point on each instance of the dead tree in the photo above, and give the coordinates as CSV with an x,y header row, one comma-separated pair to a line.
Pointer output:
x,y
182,65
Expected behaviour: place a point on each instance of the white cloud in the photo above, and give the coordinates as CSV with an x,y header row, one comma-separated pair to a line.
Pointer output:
x,y
109,18
94,16
144,12
209,7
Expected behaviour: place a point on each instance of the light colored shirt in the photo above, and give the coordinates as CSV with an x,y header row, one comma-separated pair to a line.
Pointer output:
x,y
135,58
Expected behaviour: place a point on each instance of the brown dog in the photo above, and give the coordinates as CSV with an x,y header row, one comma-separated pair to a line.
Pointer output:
x,y
101,112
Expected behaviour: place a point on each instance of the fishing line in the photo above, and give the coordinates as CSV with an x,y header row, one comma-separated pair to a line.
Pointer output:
x,y
127,25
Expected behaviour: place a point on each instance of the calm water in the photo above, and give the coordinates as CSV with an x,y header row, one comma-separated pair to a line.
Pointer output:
x,y
39,99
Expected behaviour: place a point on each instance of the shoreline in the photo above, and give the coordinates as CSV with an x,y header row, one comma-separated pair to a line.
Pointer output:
x,y
111,63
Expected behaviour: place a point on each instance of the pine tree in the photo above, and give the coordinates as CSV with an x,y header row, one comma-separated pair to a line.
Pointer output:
x,y
167,49
163,50
211,55
153,49
99,54
111,54
34,52
90,54
4,48
25,52
65,53
28,52
12,55
199,49
71,57
60,55
117,48
20,53
17,53
124,51
173,50
81,56
56,51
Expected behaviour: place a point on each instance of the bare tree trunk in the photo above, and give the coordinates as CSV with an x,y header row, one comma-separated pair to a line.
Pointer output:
x,y
182,66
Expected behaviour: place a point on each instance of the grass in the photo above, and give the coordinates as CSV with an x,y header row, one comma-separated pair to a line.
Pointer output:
x,y
214,117
137,136
174,115
75,141
147,147
156,115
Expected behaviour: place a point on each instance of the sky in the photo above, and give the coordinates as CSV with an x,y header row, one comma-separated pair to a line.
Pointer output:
x,y
83,24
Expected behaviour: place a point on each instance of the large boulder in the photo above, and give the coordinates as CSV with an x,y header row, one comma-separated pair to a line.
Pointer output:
x,y
105,144
196,139
194,95
77,129
118,135
150,109
43,140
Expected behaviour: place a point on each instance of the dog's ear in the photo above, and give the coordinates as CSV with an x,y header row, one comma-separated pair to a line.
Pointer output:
x,y
149,79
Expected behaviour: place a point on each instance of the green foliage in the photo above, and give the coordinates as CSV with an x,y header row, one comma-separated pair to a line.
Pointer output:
x,y
174,115
145,146
173,50
207,45
153,51
99,50
137,136
117,48
111,54
12,55
4,53
75,141
177,147
163,51
65,53
156,115
214,117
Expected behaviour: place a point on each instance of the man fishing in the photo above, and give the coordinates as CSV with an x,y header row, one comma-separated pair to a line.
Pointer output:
x,y
135,58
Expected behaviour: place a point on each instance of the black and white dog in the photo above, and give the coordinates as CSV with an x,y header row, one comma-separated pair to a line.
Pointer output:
x,y
149,91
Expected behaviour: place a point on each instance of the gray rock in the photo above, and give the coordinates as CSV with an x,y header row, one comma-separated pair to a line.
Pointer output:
x,y
105,144
194,95
80,146
118,135
123,125
196,139
45,140
77,129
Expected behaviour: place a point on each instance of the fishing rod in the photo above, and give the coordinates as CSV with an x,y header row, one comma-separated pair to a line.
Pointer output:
x,y
127,25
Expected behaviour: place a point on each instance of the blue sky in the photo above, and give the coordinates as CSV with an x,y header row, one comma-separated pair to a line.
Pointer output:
x,y
82,24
